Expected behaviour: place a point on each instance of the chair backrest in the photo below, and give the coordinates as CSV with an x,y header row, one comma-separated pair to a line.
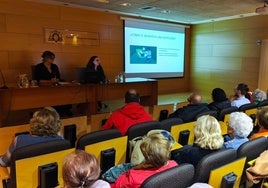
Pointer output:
x,y
263,103
96,121
168,123
32,151
213,161
213,113
179,176
181,104
177,130
224,112
109,152
70,134
81,74
95,137
141,129
245,107
157,109
252,149
27,169
235,167
33,71
7,135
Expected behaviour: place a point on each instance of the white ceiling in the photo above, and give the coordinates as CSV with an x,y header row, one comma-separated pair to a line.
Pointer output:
x,y
182,11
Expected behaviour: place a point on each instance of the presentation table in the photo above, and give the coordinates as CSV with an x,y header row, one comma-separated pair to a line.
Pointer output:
x,y
15,98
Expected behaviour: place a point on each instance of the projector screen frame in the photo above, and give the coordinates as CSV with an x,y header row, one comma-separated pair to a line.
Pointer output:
x,y
157,75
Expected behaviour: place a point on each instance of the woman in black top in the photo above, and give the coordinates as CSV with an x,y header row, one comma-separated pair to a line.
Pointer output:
x,y
47,72
94,71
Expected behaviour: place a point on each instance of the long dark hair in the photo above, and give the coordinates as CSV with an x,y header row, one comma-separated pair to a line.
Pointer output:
x,y
92,59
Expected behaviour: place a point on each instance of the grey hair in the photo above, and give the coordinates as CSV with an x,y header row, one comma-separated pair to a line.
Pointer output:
x,y
241,124
259,95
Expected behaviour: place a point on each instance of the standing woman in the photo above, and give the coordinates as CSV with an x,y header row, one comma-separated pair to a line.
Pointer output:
x,y
94,66
47,72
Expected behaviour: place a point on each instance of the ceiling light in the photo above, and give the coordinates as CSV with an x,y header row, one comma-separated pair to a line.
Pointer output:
x,y
126,4
264,9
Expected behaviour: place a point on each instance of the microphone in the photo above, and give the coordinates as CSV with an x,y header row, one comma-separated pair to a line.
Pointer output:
x,y
3,80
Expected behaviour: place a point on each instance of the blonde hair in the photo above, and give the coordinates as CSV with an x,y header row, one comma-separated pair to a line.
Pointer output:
x,y
45,122
156,151
207,133
80,170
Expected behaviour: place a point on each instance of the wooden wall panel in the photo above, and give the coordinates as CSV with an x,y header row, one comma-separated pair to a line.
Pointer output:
x,y
2,23
225,53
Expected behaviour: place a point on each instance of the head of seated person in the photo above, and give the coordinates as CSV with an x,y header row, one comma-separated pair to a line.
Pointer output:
x,y
194,99
81,169
262,119
45,122
220,101
258,96
218,95
132,96
239,128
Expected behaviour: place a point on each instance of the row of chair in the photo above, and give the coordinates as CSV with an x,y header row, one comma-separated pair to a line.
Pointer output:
x,y
161,112
212,168
56,150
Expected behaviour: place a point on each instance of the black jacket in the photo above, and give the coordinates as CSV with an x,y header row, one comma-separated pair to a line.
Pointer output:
x,y
189,112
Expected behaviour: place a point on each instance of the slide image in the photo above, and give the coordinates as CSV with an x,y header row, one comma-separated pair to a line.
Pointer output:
x,y
143,54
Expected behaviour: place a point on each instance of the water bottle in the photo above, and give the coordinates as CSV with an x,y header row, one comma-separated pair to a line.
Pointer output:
x,y
122,77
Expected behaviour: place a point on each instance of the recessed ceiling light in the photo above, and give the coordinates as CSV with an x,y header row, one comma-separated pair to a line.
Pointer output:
x,y
126,4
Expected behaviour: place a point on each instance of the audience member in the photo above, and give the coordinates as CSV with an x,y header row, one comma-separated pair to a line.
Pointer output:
x,y
130,114
208,139
81,169
44,126
96,71
189,112
239,99
239,128
258,96
220,101
262,119
47,72
156,151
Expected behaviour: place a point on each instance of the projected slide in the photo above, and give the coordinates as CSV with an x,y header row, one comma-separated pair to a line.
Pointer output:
x,y
142,54
154,51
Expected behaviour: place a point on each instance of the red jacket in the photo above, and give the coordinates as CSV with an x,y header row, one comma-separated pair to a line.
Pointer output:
x,y
127,116
134,178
